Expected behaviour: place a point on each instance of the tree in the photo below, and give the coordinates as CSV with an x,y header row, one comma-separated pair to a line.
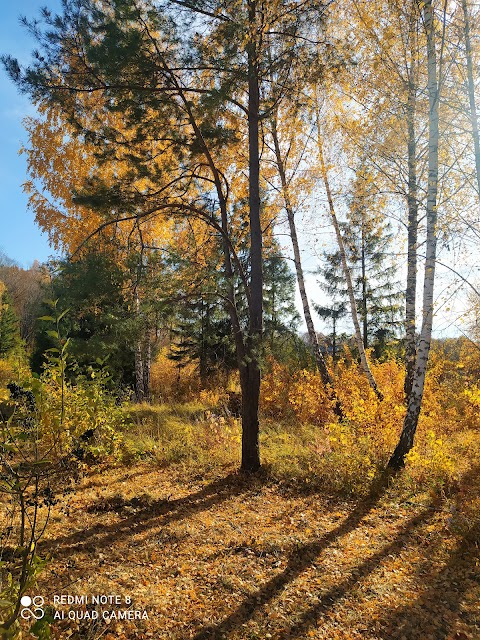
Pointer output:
x,y
177,92
345,267
26,287
368,247
416,394
99,319
281,158
471,91
385,118
281,315
334,313
9,325
202,330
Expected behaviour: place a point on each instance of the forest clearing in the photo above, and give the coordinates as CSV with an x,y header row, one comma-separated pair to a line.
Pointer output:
x,y
320,543
242,400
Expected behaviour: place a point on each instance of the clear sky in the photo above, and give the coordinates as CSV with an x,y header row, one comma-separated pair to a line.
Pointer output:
x,y
20,238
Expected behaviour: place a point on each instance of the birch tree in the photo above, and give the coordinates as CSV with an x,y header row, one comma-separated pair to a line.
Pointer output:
x,y
421,362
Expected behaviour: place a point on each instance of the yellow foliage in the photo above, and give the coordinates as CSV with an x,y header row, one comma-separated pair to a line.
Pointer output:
x,y
6,373
431,460
171,381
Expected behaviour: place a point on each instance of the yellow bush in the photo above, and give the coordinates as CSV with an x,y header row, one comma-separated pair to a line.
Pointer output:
x,y
6,373
309,399
300,395
431,460
171,381
471,407
276,384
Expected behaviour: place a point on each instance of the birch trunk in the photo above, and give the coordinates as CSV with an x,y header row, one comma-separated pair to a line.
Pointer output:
x,y
312,334
416,395
347,275
471,92
412,201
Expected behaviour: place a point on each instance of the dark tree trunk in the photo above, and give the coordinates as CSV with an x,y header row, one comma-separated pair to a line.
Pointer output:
x,y
139,375
251,375
250,385
147,365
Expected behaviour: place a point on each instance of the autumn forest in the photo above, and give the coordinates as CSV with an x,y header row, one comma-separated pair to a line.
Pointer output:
x,y
243,400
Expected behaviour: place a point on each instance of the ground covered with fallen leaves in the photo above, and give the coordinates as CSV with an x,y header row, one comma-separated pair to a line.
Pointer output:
x,y
226,555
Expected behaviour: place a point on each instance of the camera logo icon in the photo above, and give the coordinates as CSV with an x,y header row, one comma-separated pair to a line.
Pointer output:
x,y
32,607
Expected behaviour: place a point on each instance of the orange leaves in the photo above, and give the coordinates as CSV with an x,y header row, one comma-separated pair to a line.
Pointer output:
x,y
300,394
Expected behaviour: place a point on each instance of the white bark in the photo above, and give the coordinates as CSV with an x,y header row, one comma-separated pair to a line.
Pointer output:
x,y
416,395
471,92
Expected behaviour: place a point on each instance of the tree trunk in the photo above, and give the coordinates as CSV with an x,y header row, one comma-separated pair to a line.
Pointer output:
x,y
251,387
147,365
246,349
139,376
471,93
312,334
416,395
412,201
347,275
334,341
364,288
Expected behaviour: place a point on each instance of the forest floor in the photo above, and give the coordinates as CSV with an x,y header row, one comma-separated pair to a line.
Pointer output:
x,y
226,555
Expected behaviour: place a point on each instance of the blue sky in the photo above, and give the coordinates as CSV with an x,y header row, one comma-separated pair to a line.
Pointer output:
x,y
20,238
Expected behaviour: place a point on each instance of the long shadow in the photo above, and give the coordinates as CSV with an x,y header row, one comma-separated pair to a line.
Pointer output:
x,y
443,592
100,536
446,585
89,483
300,560
328,600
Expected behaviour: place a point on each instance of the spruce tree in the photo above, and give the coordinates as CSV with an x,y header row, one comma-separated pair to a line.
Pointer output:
x,y
369,244
9,324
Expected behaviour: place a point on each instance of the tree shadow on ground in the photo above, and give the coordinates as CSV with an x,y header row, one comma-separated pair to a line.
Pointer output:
x,y
303,557
438,608
154,514
436,611
328,600
88,482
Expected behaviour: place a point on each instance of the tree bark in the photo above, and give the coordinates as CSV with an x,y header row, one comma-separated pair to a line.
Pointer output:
x,y
412,202
147,365
139,374
471,93
416,395
364,287
346,274
251,373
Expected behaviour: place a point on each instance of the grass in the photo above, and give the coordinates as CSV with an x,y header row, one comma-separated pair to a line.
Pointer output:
x,y
316,545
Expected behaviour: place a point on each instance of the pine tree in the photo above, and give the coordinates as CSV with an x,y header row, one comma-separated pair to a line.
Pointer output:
x,y
333,313
185,99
